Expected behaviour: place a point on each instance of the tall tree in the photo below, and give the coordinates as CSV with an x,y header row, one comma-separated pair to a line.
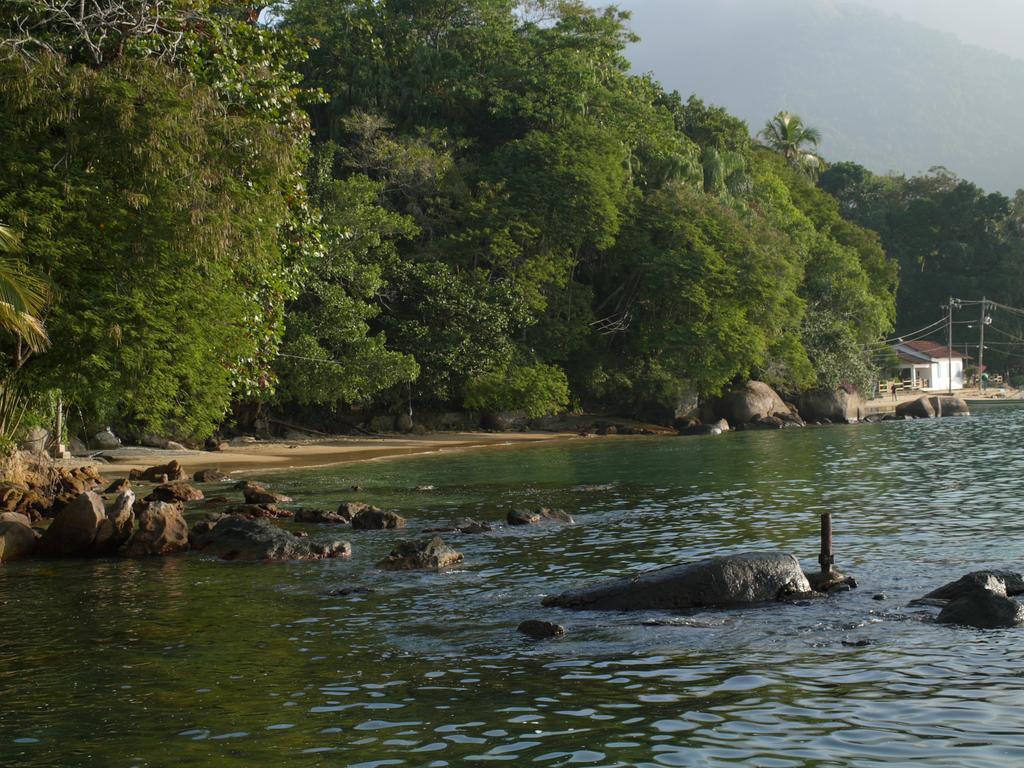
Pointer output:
x,y
787,134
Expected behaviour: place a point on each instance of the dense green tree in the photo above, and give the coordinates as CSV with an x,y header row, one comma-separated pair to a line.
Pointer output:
x,y
787,134
23,296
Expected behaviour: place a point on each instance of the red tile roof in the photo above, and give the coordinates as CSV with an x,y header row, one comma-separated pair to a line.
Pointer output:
x,y
932,349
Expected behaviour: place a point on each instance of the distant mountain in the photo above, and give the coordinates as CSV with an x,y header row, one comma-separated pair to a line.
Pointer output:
x,y
885,92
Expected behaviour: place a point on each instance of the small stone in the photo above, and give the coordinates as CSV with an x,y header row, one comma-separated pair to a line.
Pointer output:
x,y
320,516
424,488
541,630
255,494
175,492
857,643
210,476
880,596
118,486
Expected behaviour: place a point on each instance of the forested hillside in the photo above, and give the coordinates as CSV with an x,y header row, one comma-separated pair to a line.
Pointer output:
x,y
424,203
887,93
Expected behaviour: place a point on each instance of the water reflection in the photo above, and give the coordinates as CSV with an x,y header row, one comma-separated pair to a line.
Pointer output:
x,y
184,661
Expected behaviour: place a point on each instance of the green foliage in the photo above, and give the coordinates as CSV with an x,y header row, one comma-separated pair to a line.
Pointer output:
x,y
163,198
538,390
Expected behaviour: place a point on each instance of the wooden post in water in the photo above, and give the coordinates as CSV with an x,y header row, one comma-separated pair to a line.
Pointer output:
x,y
826,558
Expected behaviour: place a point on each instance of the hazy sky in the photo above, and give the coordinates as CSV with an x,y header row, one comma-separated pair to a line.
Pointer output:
x,y
995,24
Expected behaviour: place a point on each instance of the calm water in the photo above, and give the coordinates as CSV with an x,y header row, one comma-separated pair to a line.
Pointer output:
x,y
186,662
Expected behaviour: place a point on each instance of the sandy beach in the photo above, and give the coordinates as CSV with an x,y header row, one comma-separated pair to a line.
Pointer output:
x,y
274,455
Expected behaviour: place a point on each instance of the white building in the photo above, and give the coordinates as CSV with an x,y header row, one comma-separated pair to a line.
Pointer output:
x,y
927,365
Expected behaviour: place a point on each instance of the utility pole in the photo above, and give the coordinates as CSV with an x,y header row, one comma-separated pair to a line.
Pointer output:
x,y
981,346
949,350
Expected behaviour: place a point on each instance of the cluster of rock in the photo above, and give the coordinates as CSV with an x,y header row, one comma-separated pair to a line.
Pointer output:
x,y
981,599
755,405
43,490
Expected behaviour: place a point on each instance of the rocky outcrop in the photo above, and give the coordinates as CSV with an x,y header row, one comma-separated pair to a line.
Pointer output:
x,y
235,538
834,406
162,531
373,518
17,540
73,531
431,555
175,493
739,580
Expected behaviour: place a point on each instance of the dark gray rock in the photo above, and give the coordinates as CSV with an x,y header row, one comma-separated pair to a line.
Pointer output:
x,y
921,408
372,518
834,406
321,516
430,555
739,580
541,630
522,517
983,609
1005,582
946,405
236,538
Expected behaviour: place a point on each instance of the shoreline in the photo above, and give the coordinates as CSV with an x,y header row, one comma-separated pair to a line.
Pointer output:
x,y
278,455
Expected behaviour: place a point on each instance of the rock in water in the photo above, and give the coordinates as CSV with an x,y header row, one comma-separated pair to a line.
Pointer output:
x,y
175,492
74,529
373,518
255,494
720,582
170,472
541,630
946,405
754,401
162,531
320,516
210,476
1000,582
835,406
921,408
983,609
235,538
429,555
116,527
17,540
522,517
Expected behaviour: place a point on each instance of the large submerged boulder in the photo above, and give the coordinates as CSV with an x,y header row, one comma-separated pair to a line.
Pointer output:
x,y
738,580
236,538
1007,582
983,609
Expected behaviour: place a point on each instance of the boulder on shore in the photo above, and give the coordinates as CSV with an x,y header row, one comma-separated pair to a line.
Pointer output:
x,y
738,580
754,403
235,538
17,540
162,531
930,407
74,529
431,555
105,440
117,525
835,406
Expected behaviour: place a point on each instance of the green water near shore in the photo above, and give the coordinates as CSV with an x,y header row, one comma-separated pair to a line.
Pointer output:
x,y
190,662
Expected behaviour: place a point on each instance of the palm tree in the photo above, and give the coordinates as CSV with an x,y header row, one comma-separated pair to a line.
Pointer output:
x,y
798,143
23,295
